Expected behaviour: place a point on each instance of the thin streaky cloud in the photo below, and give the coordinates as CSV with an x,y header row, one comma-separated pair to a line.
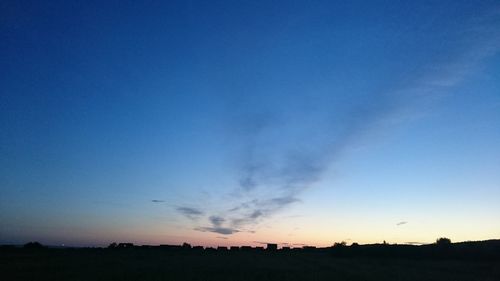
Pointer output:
x,y
219,230
216,221
190,212
295,170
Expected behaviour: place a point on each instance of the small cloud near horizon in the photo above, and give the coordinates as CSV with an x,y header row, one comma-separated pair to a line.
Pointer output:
x,y
219,230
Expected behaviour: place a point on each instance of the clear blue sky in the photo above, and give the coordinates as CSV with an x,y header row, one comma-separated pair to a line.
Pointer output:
x,y
242,122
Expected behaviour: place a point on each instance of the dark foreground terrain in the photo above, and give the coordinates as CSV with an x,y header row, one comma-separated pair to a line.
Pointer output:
x,y
158,264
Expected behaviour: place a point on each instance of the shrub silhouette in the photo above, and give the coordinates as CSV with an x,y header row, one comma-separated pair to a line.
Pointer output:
x,y
339,244
33,245
443,241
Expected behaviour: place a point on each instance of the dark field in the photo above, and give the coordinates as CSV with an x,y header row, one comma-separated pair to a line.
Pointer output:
x,y
157,264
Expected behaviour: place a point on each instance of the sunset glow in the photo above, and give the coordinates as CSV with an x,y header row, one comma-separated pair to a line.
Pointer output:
x,y
303,123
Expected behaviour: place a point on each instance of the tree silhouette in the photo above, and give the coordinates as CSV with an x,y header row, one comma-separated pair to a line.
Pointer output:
x,y
443,241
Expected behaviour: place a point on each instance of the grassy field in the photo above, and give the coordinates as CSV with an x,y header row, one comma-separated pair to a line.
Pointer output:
x,y
154,264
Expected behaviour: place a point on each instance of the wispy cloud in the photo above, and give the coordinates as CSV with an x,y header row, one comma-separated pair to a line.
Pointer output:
x,y
157,201
273,175
401,223
217,227
298,169
216,221
189,212
219,230
415,243
262,243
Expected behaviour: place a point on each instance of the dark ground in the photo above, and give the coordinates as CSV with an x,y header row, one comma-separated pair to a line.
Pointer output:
x,y
157,264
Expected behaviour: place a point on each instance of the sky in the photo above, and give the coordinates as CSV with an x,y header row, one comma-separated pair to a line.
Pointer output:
x,y
247,122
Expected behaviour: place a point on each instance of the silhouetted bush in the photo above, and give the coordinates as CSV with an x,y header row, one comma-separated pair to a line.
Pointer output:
x,y
443,241
33,245
339,244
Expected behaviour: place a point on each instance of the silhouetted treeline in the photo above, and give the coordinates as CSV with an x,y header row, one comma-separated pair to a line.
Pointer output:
x,y
442,249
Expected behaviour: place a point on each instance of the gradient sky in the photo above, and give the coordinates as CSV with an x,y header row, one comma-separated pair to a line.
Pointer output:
x,y
243,122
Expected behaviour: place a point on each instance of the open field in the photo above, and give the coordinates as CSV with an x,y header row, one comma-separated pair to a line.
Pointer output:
x,y
157,264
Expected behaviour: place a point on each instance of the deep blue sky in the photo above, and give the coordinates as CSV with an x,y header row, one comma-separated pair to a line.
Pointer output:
x,y
238,122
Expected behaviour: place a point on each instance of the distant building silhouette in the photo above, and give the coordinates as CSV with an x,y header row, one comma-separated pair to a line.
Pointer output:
x,y
272,247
